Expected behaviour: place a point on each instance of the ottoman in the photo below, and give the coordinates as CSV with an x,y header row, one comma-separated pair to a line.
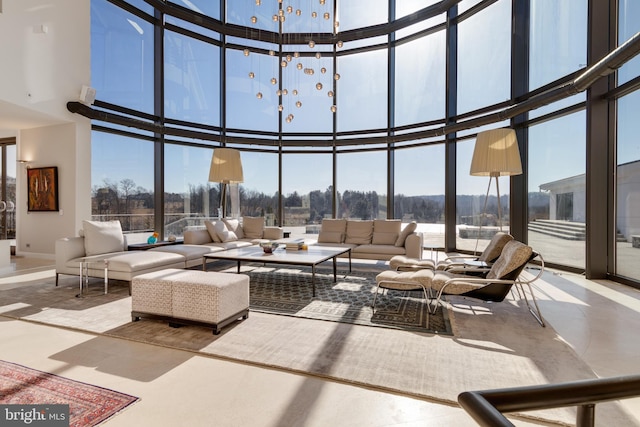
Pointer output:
x,y
190,297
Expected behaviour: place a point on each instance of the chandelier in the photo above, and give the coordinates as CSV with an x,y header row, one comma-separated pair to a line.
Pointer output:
x,y
288,14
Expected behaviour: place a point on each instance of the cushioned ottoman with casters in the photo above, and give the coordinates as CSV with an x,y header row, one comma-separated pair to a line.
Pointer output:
x,y
190,297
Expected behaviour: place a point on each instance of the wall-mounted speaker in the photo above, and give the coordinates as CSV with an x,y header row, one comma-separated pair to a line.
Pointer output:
x,y
87,95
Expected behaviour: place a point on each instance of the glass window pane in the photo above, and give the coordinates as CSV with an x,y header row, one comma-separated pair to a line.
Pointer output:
x,y
477,218
419,190
484,66
361,13
121,57
252,103
628,187
362,183
362,91
308,192
189,197
558,40
628,26
420,80
557,189
122,186
191,80
259,191
209,8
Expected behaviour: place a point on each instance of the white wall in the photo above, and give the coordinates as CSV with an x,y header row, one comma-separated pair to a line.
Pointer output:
x,y
41,71
45,51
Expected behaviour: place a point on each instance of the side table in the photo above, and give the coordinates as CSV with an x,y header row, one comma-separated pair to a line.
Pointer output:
x,y
85,263
147,246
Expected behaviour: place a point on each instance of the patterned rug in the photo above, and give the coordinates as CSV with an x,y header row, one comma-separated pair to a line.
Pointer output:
x,y
88,405
288,291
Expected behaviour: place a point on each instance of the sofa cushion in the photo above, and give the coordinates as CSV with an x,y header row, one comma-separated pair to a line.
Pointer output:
x,y
336,225
224,234
235,226
359,232
410,228
386,231
253,227
211,228
101,237
330,237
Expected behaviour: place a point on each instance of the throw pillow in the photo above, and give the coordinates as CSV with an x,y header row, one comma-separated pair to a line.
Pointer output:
x,y
235,226
359,232
102,237
211,228
252,227
329,237
514,254
410,228
224,234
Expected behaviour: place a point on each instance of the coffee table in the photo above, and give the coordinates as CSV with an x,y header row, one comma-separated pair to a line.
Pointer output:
x,y
309,258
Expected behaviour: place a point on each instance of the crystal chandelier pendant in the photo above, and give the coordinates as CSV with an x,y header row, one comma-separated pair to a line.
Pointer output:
x,y
319,86
318,55
298,12
259,95
285,92
295,92
284,63
246,52
280,107
312,44
333,109
340,43
314,14
289,9
337,76
258,2
251,75
298,104
323,70
299,65
274,80
254,19
327,16
330,94
278,92
272,53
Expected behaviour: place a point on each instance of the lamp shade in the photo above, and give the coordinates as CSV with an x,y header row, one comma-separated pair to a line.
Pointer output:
x,y
496,154
226,166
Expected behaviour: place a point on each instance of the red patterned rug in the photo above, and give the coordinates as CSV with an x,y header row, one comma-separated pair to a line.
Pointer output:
x,y
88,405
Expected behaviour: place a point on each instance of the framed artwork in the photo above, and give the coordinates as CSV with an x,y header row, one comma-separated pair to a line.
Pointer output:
x,y
43,189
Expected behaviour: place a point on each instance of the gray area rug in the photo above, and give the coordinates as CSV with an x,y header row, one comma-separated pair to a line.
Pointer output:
x,y
494,345
288,291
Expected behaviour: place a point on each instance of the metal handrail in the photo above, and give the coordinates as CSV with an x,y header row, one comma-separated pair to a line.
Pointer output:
x,y
487,407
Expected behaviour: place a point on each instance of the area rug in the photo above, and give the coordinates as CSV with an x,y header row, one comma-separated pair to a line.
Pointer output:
x,y
88,405
289,291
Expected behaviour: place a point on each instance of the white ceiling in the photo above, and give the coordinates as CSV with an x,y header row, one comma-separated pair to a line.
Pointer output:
x,y
13,117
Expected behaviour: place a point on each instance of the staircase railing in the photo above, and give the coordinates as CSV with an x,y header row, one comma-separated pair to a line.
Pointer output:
x,y
487,407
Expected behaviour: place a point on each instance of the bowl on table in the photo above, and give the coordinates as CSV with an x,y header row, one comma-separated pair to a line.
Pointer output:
x,y
269,247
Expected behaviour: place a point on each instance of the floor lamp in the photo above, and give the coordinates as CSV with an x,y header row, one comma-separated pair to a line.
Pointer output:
x,y
226,168
496,154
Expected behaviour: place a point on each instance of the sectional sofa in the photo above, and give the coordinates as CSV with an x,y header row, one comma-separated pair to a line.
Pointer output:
x,y
101,241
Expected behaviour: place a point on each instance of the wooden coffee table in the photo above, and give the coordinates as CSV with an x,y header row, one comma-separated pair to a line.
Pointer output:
x,y
311,257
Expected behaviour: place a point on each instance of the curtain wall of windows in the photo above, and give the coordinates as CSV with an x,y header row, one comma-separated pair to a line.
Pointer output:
x,y
328,128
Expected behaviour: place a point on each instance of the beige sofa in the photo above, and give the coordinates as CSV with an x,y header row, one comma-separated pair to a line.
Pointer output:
x,y
232,233
104,240
375,239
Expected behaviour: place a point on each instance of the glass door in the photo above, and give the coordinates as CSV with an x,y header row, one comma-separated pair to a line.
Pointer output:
x,y
8,189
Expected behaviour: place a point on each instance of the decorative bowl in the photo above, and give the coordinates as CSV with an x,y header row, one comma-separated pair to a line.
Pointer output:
x,y
269,247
